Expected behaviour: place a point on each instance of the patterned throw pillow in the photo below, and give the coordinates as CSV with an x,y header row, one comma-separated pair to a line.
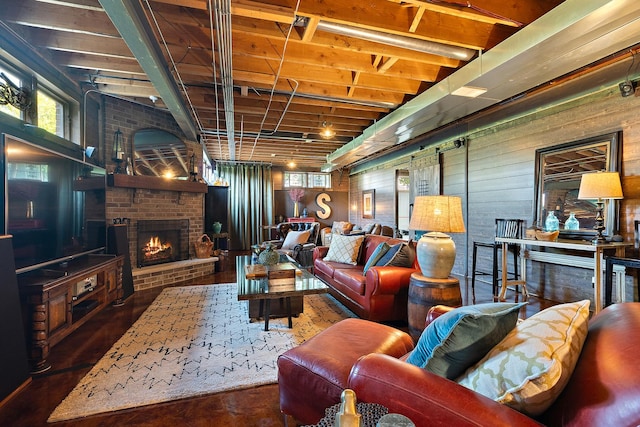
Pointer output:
x,y
378,253
462,336
344,249
531,366
295,238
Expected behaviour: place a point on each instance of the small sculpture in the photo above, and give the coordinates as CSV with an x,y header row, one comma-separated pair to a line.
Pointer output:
x,y
348,415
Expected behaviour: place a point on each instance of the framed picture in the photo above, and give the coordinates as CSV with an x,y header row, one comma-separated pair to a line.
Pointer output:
x,y
368,203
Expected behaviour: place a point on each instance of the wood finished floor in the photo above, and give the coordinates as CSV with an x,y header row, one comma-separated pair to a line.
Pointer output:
x,y
74,356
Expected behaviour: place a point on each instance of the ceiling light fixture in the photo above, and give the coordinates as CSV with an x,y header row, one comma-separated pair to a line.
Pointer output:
x,y
469,91
327,131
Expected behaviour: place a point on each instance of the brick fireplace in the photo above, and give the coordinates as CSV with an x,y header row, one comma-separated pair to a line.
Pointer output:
x,y
127,198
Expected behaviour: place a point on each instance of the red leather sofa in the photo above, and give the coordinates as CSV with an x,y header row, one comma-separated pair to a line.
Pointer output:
x,y
604,389
380,295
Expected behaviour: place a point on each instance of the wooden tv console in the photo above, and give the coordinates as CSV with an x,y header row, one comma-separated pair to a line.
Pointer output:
x,y
57,300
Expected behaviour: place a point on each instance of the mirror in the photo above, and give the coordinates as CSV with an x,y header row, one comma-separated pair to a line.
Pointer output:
x,y
558,173
157,152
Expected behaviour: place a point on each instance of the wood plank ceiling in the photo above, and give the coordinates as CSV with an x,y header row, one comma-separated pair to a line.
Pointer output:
x,y
291,71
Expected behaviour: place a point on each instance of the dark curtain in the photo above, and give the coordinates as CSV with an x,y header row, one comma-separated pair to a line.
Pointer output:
x,y
250,201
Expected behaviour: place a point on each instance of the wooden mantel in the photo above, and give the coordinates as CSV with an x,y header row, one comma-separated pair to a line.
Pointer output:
x,y
155,183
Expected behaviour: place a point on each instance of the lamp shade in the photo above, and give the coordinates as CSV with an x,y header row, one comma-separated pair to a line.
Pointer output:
x,y
600,185
436,251
437,213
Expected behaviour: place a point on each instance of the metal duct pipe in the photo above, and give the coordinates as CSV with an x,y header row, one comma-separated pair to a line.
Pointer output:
x,y
454,52
222,14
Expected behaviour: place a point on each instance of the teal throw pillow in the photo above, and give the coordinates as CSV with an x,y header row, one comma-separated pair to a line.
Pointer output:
x,y
461,337
399,255
378,253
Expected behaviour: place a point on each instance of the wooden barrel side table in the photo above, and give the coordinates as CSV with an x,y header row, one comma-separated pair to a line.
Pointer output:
x,y
424,293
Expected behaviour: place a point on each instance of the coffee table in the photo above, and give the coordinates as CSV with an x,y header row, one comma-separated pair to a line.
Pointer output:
x,y
265,289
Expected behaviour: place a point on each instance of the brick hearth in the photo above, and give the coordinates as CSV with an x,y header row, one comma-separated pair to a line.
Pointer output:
x,y
170,273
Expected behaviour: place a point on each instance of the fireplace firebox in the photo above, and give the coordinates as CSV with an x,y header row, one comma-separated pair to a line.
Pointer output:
x,y
162,241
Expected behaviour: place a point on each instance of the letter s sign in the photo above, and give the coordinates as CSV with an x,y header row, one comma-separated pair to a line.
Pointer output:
x,y
326,209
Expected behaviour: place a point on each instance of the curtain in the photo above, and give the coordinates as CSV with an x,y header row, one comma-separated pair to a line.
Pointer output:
x,y
250,201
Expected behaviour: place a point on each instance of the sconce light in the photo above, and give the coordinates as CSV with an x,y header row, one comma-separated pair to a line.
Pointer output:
x,y
327,131
118,151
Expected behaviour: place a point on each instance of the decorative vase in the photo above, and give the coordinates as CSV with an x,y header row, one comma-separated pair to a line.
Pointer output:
x,y
296,209
572,223
269,256
217,227
551,223
305,212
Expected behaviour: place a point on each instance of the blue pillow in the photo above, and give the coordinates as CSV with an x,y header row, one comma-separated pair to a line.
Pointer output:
x,y
399,255
461,337
378,253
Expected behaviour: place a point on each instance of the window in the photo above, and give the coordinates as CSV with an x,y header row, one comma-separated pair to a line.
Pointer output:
x,y
307,179
295,179
50,114
51,108
319,180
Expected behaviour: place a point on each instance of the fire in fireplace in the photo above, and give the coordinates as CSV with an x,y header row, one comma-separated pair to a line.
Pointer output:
x,y
161,241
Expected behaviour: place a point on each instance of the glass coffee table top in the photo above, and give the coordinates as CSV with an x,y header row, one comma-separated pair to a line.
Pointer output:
x,y
302,282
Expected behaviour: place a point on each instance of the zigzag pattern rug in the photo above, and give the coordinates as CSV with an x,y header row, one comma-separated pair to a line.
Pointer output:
x,y
191,341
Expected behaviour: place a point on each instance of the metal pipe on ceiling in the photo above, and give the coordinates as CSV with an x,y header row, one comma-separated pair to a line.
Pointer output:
x,y
222,14
425,46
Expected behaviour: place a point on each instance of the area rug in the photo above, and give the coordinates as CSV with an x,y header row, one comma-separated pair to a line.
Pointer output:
x,y
191,341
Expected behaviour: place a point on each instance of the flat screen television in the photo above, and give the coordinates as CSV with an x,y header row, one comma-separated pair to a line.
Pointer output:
x,y
54,204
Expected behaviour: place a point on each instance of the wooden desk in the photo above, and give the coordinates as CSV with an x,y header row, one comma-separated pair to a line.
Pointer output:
x,y
594,262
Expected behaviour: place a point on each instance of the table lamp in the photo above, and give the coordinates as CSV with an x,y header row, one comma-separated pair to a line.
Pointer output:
x,y
598,186
436,251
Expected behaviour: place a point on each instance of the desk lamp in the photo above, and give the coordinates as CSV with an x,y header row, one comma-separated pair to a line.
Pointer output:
x,y
598,186
438,215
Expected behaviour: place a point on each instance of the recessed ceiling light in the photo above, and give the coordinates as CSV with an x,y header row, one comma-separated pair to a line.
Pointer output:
x,y
469,91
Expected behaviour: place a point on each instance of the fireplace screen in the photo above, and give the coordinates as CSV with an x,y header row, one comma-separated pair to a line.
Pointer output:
x,y
161,241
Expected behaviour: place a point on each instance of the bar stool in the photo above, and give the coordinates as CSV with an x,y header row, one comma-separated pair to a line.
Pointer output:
x,y
510,228
632,262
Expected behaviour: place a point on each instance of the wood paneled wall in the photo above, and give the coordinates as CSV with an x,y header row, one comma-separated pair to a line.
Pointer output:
x,y
384,183
494,174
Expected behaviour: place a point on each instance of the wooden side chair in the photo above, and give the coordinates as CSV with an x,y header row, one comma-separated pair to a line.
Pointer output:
x,y
513,228
632,262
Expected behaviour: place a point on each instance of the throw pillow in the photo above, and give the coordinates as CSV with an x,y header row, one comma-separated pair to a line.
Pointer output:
x,y
531,366
378,253
341,227
399,255
295,238
344,249
462,336
367,228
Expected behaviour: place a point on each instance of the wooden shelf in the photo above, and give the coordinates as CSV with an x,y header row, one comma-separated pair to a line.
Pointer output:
x,y
155,183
